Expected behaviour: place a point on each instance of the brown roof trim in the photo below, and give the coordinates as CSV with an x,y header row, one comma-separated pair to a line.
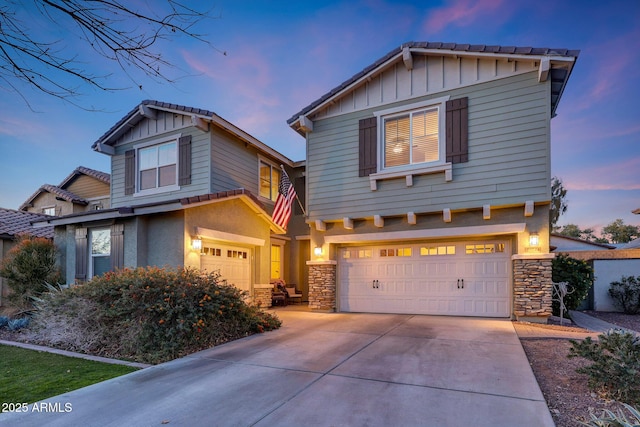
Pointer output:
x,y
557,78
221,195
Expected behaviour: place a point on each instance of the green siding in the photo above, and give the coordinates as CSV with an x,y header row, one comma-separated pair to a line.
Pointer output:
x,y
508,158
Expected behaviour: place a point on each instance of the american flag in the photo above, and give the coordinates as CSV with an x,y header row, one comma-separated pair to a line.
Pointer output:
x,y
286,195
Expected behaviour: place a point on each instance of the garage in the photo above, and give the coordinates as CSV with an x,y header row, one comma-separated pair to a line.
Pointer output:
x,y
233,263
457,278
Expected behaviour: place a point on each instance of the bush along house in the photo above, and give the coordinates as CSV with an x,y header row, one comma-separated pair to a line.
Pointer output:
x,y
428,182
188,189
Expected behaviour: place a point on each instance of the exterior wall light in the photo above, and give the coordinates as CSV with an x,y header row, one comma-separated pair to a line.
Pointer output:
x,y
196,244
317,251
534,240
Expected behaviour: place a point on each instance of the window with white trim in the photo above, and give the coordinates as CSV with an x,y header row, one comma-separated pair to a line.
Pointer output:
x,y
100,251
411,138
269,180
51,211
158,166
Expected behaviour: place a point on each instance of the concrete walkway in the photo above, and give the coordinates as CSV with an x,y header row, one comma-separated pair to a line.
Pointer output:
x,y
324,369
591,323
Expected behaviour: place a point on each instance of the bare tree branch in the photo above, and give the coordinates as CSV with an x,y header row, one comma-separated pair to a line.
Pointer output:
x,y
124,35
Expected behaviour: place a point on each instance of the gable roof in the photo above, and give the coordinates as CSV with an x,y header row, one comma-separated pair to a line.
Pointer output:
x,y
145,110
60,190
81,170
558,75
14,222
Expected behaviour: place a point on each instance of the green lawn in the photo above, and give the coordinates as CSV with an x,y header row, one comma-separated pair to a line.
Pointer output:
x,y
27,376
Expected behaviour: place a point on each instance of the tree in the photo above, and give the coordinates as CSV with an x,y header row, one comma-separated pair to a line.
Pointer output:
x,y
572,230
28,266
558,202
619,232
124,34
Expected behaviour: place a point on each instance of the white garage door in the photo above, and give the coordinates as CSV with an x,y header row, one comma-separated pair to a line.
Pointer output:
x,y
233,263
459,278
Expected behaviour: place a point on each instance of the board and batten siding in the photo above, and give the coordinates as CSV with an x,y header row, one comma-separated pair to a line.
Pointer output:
x,y
429,75
508,158
200,146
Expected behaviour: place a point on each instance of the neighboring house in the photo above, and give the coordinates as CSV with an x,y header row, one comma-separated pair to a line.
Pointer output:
x,y
83,190
428,182
12,224
609,263
188,188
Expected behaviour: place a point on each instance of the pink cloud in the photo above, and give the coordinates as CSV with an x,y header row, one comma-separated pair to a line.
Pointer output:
x,y
462,13
620,175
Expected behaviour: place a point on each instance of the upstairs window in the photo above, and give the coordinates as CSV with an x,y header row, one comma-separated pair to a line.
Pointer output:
x,y
158,166
411,138
269,180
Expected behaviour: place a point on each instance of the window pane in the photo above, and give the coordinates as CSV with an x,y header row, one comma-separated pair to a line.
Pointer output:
x,y
147,179
425,136
167,154
148,158
275,182
265,180
396,132
167,175
101,264
275,262
101,241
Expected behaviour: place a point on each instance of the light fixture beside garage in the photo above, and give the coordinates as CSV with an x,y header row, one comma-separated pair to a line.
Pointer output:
x,y
317,251
534,240
196,244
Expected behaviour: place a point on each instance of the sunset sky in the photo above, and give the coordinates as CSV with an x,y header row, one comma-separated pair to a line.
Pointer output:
x,y
280,56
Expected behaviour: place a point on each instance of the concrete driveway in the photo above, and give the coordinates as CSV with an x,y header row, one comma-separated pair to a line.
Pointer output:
x,y
325,369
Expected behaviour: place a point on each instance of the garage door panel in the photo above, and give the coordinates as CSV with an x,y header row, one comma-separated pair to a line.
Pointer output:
x,y
423,283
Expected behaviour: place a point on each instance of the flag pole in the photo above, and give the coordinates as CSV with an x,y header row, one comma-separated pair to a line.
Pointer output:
x,y
297,198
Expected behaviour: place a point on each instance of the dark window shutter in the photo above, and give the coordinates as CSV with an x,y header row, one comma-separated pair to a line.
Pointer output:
x,y
457,130
184,160
117,246
130,172
300,186
368,146
82,253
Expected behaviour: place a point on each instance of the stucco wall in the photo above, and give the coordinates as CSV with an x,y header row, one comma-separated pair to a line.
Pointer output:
x,y
607,271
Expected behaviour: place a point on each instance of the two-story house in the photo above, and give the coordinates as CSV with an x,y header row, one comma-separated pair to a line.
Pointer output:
x,y
428,182
188,189
85,189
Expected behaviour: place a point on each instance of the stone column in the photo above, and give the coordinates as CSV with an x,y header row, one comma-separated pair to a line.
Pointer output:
x,y
262,295
532,287
322,285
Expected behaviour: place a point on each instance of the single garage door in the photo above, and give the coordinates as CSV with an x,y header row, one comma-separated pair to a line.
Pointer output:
x,y
233,263
458,278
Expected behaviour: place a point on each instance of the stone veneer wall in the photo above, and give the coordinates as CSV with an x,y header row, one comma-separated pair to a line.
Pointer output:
x,y
262,295
532,289
322,286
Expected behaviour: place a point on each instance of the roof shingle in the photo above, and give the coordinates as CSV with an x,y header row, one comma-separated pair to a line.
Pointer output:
x,y
14,222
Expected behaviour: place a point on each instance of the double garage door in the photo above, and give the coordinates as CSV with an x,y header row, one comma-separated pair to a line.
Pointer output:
x,y
233,263
458,278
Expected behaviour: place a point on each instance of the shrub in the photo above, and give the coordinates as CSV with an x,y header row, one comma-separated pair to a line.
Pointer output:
x,y
626,294
4,321
578,274
151,314
15,324
27,267
619,419
615,370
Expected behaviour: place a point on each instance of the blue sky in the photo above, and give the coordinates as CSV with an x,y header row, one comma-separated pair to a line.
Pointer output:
x,y
280,56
